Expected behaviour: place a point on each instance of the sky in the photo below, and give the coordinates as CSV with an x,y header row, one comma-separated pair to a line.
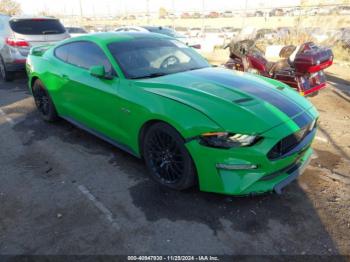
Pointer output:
x,y
113,7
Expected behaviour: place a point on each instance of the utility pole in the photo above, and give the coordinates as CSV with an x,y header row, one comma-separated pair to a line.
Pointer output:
x,y
81,9
203,13
245,13
81,13
45,11
108,9
148,15
173,12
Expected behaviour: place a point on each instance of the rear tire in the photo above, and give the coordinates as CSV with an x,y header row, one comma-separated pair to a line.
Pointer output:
x,y
4,74
167,158
44,102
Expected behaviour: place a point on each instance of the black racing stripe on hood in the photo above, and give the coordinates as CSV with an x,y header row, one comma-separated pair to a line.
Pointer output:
x,y
303,119
267,94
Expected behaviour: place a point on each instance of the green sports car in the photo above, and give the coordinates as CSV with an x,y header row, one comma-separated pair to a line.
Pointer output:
x,y
151,95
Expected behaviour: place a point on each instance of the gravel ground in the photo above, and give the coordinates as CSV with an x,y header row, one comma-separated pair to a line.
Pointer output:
x,y
64,191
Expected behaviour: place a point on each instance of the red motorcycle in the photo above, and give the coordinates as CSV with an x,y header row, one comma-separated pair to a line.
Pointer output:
x,y
299,67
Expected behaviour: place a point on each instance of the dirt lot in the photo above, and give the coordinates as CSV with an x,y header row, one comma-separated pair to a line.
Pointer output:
x,y
64,191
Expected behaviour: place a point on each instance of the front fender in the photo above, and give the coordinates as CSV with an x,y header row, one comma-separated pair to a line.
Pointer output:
x,y
139,107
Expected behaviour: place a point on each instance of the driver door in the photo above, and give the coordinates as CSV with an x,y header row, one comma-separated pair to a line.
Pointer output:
x,y
90,102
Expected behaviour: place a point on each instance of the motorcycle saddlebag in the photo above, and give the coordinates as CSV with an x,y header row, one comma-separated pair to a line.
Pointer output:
x,y
313,60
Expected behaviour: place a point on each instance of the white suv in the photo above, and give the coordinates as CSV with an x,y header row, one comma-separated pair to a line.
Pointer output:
x,y
19,34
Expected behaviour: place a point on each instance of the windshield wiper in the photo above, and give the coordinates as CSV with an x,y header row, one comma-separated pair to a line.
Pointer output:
x,y
191,69
48,32
150,75
194,68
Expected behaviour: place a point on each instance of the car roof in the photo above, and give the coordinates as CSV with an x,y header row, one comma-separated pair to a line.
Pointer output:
x,y
24,17
110,37
73,27
154,27
130,26
158,28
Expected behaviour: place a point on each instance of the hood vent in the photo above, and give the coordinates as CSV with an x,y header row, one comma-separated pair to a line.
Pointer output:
x,y
242,100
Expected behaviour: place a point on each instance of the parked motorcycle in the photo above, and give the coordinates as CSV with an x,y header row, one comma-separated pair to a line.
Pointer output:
x,y
299,67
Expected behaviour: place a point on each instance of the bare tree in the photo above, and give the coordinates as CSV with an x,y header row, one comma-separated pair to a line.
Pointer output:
x,y
44,13
10,7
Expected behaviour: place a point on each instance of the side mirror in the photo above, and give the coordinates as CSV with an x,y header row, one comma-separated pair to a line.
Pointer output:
x,y
99,72
196,46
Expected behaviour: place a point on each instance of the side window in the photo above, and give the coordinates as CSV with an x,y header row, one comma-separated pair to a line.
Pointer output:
x,y
86,55
61,52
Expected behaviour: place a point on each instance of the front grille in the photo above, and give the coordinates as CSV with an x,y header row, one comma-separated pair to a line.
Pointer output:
x,y
289,142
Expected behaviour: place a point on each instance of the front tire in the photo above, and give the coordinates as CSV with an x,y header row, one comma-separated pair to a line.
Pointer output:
x,y
167,158
43,102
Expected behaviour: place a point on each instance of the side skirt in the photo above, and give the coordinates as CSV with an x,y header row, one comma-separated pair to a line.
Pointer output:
x,y
101,136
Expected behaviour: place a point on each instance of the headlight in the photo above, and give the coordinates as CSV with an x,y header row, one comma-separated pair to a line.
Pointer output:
x,y
227,140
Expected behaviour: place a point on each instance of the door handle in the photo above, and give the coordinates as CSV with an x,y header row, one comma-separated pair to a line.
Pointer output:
x,y
64,76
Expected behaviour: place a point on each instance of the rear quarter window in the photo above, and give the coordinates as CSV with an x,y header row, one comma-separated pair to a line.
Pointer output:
x,y
61,52
37,26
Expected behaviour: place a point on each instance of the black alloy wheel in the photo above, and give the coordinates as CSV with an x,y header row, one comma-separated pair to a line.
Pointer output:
x,y
43,102
167,158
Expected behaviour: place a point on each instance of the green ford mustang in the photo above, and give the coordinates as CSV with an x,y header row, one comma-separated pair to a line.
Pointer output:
x,y
151,95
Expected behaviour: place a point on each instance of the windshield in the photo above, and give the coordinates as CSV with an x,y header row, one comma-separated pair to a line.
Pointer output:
x,y
152,57
37,26
166,31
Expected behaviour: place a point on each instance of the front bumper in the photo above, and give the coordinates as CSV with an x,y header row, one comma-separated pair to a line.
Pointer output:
x,y
265,175
293,175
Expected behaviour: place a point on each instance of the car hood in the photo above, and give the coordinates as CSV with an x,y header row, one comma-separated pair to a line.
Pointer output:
x,y
236,101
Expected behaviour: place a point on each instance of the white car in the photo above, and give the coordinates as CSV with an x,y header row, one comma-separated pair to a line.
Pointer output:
x,y
344,10
319,34
195,32
130,29
267,34
247,33
324,11
296,12
212,37
193,42
227,14
75,31
230,32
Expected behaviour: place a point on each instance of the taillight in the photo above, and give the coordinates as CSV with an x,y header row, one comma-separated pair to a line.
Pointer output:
x,y
16,42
